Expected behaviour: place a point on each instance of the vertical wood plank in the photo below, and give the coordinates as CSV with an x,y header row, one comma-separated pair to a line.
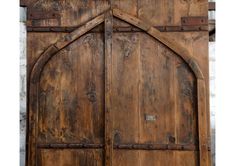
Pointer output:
x,y
202,121
108,76
31,128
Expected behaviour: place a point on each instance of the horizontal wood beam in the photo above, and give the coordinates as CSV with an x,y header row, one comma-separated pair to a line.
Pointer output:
x,y
118,29
181,147
189,147
67,146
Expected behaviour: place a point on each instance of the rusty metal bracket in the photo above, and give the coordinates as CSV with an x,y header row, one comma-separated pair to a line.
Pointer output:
x,y
194,21
189,147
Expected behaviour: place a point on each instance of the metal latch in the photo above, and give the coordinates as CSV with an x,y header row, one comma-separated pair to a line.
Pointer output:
x,y
150,117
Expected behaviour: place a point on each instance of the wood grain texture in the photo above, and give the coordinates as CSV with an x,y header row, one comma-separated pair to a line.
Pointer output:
x,y
108,91
71,158
169,12
155,158
145,91
151,80
73,13
165,39
202,118
125,78
67,39
71,94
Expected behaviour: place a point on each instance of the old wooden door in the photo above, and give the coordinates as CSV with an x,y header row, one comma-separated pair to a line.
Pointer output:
x,y
114,90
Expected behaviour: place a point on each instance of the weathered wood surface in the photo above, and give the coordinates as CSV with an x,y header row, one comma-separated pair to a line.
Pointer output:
x,y
155,158
104,97
155,82
108,91
73,157
73,12
67,39
164,38
72,94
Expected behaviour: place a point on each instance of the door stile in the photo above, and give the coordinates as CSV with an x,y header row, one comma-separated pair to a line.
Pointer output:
x,y
108,23
202,121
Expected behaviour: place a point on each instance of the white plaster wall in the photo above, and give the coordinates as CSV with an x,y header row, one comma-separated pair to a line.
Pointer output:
x,y
212,58
212,97
22,84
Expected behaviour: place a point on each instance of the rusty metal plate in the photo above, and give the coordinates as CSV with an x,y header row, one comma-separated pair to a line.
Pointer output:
x,y
194,21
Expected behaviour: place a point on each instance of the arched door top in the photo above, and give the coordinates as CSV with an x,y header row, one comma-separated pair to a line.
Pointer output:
x,y
152,31
164,39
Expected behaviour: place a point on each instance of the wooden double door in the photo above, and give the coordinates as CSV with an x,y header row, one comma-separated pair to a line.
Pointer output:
x,y
100,96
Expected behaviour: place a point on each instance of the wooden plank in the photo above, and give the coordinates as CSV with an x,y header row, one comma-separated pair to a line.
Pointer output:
x,y
202,122
165,39
67,39
73,12
126,158
125,87
135,73
131,19
130,6
156,92
71,157
27,3
211,6
177,48
47,54
186,98
118,29
39,15
32,121
72,94
155,158
63,42
37,43
108,83
23,3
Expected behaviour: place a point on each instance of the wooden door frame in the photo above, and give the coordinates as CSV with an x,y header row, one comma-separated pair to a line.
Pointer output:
x,y
69,38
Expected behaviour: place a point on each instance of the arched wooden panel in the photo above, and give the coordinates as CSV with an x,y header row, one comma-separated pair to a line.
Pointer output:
x,y
71,93
71,99
150,88
154,102
66,85
192,64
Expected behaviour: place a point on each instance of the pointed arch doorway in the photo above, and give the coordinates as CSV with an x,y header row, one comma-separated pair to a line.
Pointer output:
x,y
112,97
